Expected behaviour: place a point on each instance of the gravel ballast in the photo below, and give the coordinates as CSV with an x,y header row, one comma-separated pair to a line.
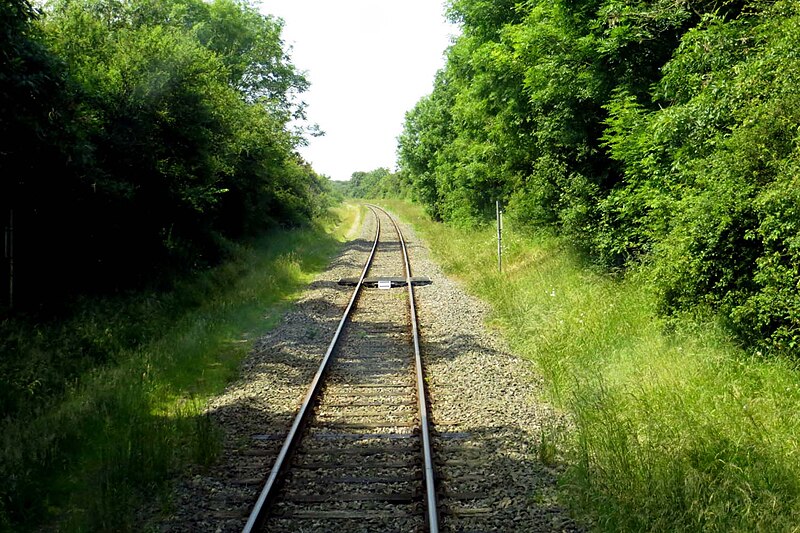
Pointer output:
x,y
486,411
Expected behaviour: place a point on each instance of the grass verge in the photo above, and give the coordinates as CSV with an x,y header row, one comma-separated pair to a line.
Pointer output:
x,y
676,428
83,456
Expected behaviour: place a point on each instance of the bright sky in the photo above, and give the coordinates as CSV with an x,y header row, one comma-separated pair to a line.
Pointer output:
x,y
368,61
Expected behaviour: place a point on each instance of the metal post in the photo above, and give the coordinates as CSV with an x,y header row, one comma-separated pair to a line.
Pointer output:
x,y
499,238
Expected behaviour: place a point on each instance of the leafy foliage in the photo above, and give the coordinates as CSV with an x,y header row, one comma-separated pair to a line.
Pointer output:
x,y
146,132
378,183
654,132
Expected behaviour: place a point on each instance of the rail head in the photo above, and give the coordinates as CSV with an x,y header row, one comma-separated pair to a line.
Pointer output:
x,y
427,446
259,513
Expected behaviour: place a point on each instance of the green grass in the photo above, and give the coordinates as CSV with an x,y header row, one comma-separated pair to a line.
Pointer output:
x,y
82,456
676,428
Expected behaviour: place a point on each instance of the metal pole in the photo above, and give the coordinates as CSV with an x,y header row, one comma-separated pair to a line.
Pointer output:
x,y
499,238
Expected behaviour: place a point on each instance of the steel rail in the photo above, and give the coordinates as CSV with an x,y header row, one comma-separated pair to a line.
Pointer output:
x,y
258,514
430,485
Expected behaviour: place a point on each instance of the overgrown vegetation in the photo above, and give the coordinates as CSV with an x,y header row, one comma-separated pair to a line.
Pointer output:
x,y
651,132
378,183
141,135
677,428
102,406
148,165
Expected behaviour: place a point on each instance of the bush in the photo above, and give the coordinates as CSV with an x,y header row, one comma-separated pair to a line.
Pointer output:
x,y
653,132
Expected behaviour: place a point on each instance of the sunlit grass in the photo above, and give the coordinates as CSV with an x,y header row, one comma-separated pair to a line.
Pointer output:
x,y
676,428
86,459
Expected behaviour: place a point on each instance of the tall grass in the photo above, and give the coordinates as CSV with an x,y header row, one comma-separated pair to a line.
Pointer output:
x,y
85,454
676,428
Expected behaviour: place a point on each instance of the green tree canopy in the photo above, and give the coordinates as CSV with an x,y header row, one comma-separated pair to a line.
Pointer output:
x,y
146,131
651,131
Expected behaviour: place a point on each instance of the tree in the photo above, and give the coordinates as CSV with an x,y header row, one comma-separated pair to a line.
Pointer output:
x,y
651,131
154,128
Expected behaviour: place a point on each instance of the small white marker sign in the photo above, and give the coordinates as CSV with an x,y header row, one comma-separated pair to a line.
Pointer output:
x,y
384,284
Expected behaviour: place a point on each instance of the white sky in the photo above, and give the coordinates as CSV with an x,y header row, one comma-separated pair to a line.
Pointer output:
x,y
368,61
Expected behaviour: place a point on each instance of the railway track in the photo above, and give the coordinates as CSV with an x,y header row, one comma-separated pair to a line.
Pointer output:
x,y
356,463
358,455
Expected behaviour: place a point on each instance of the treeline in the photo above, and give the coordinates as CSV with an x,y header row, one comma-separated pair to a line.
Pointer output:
x,y
140,135
378,183
654,133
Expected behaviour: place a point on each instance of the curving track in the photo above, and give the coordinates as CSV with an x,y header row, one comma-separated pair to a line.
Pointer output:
x,y
358,455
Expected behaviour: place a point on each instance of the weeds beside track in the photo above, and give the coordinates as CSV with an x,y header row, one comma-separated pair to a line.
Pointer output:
x,y
84,458
677,429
